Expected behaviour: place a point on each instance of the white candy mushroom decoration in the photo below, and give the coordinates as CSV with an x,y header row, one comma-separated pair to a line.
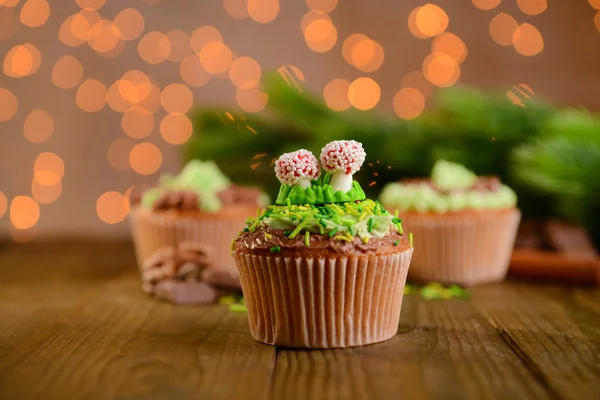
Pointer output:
x,y
342,159
297,168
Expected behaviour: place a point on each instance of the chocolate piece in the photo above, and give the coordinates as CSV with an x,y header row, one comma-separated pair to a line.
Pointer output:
x,y
569,238
222,279
182,200
529,236
185,293
240,195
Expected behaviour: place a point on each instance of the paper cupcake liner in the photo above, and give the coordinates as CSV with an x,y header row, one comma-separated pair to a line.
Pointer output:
x,y
154,230
323,302
463,248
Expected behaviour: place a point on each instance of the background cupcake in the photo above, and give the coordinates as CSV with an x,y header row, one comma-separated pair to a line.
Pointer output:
x,y
199,207
324,267
466,225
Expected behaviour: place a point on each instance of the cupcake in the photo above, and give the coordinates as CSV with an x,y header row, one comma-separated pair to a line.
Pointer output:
x,y
466,224
324,267
199,207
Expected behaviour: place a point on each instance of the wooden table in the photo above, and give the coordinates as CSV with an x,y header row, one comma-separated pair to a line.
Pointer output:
x,y
74,324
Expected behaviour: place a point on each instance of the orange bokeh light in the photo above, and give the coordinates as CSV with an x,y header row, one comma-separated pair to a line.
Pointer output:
x,y
48,169
450,44
502,28
115,100
38,126
145,158
312,16
441,69
486,4
152,102
597,21
154,47
8,105
245,72
364,93
103,36
263,11
91,4
322,5
349,45
192,71
367,55
176,128
320,35
9,22
91,96
528,40
112,207
177,98
137,122
409,103
118,152
180,45
532,7
9,3
335,94
428,20
216,57
46,194
416,80
24,212
129,23
204,35
237,9
22,60
3,204
251,100
67,72
35,13
134,86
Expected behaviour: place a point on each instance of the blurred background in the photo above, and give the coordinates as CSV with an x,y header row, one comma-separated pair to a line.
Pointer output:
x,y
98,96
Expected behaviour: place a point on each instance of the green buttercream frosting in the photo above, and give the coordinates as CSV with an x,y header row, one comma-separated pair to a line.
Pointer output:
x,y
318,194
447,176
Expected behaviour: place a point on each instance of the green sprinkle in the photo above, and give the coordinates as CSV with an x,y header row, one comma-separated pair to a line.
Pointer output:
x,y
268,236
288,202
410,239
344,238
347,222
365,240
352,230
241,308
321,230
350,209
287,233
300,226
226,300
233,244
333,232
246,229
349,236
336,208
370,225
323,223
362,216
275,249
257,212
307,238
399,227
408,289
396,220
396,242
254,225
396,213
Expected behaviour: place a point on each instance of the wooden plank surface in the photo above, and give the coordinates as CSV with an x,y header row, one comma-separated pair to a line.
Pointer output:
x,y
75,324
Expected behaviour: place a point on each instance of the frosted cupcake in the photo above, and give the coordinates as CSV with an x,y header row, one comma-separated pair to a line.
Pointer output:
x,y
199,207
323,267
466,224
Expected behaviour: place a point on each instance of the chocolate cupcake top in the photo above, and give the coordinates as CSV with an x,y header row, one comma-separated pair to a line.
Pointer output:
x,y
200,186
318,213
451,187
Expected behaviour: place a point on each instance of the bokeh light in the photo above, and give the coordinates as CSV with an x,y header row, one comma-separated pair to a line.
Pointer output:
x,y
44,194
204,35
3,204
111,207
428,20
322,5
22,60
595,4
117,154
103,36
597,21
91,4
9,3
336,94
129,23
48,169
216,57
320,35
38,126
22,235
75,30
263,11
67,72
312,16
450,44
176,128
91,96
134,86
364,93
8,105
409,103
9,22
192,71
154,47
177,98
441,69
152,101
180,45
532,7
115,100
416,80
35,13
145,158
251,100
245,72
486,4
502,28
367,55
137,122
24,212
237,9
528,40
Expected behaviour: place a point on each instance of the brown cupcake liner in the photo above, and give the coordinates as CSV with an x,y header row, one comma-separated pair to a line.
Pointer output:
x,y
213,232
323,302
467,248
